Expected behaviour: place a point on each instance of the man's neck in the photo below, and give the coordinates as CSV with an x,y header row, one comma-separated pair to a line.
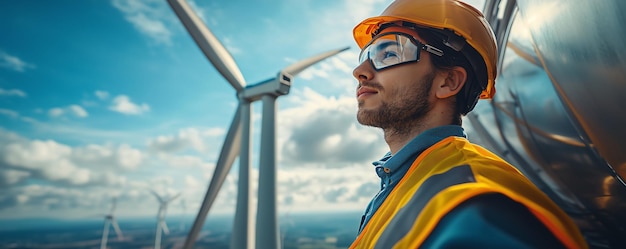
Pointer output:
x,y
399,135
398,138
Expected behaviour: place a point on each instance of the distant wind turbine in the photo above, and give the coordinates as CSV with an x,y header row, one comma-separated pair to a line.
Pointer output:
x,y
184,213
161,225
288,222
238,138
109,219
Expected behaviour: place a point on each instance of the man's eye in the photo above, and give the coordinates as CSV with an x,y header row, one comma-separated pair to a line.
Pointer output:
x,y
389,55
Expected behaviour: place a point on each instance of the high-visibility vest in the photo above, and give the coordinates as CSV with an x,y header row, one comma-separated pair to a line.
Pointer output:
x,y
442,177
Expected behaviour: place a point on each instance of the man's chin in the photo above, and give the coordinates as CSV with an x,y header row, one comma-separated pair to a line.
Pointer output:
x,y
366,119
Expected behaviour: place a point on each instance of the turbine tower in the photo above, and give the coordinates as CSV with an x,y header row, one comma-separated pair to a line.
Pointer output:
x,y
109,219
238,138
183,216
161,225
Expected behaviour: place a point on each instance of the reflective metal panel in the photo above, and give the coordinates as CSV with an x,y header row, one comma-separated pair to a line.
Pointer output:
x,y
556,114
581,44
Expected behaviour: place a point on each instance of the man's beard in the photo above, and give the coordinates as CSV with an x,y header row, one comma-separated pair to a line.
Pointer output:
x,y
402,112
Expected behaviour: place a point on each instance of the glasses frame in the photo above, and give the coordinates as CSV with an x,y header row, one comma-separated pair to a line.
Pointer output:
x,y
421,46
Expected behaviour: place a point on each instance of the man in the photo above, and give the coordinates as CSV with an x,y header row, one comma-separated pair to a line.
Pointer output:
x,y
424,64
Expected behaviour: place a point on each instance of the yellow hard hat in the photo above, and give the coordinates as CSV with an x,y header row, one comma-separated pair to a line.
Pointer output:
x,y
451,15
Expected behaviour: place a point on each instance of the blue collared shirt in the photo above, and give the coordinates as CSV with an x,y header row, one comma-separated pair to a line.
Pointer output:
x,y
391,168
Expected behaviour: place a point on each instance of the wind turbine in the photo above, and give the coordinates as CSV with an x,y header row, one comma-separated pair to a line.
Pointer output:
x,y
161,225
109,219
238,138
183,216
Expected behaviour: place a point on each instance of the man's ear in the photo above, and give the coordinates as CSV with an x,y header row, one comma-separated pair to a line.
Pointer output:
x,y
454,80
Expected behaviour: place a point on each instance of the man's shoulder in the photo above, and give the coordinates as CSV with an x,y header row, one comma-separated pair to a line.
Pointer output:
x,y
491,221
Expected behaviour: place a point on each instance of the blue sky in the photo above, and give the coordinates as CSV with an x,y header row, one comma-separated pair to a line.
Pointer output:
x,y
102,99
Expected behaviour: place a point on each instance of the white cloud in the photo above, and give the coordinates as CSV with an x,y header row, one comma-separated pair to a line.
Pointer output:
x,y
10,177
13,62
309,189
192,138
107,157
78,111
37,200
128,157
186,161
45,159
340,65
12,92
54,162
75,110
148,17
9,113
102,95
15,115
123,104
151,27
56,112
29,120
312,72
192,182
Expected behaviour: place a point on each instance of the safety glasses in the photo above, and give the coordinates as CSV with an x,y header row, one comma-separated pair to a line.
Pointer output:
x,y
394,48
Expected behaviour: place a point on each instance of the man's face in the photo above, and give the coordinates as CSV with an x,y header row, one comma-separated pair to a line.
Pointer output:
x,y
395,96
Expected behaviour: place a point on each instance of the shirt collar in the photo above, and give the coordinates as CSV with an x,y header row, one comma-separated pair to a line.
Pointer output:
x,y
415,147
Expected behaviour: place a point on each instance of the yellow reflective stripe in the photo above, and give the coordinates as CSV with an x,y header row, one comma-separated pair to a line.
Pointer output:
x,y
398,226
436,210
445,153
395,200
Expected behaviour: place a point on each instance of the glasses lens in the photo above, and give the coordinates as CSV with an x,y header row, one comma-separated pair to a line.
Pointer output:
x,y
389,50
364,55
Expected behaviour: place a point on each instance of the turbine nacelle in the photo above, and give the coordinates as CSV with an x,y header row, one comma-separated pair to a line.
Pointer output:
x,y
278,86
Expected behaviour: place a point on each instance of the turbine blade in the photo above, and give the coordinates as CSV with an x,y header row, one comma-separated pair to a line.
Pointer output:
x,y
157,196
174,197
164,227
114,203
299,66
118,231
230,149
209,44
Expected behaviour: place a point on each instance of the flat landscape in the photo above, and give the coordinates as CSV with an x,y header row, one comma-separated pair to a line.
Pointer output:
x,y
314,230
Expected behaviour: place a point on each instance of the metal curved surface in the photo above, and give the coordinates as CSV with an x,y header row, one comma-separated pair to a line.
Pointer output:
x,y
556,113
582,45
537,127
